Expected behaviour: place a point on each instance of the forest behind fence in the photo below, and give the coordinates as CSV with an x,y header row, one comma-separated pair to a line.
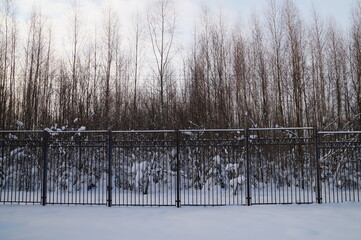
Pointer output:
x,y
275,69
180,167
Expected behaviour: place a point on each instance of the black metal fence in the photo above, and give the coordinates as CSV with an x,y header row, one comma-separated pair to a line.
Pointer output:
x,y
180,168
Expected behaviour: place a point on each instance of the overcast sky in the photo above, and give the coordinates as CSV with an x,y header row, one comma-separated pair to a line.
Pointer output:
x,y
56,8
57,13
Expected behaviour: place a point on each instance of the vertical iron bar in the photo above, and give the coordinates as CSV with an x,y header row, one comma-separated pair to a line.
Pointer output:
x,y
45,166
318,170
109,188
2,139
248,196
178,172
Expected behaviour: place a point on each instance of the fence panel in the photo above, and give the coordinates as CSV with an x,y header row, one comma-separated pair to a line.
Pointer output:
x,y
340,160
77,168
21,164
144,168
212,167
174,168
282,165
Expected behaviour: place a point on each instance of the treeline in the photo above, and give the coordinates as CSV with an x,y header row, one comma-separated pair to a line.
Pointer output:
x,y
278,70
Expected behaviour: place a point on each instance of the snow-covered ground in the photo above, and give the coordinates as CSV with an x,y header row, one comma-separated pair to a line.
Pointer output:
x,y
325,221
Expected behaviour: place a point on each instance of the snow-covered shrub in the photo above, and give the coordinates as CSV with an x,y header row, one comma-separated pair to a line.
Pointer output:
x,y
21,169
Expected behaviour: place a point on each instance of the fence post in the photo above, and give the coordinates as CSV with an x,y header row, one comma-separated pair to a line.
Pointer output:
x,y
248,193
45,167
318,167
109,156
178,172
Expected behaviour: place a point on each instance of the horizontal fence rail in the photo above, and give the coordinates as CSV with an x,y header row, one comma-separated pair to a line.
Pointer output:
x,y
193,167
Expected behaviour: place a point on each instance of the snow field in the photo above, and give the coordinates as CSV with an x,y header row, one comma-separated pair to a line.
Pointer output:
x,y
325,221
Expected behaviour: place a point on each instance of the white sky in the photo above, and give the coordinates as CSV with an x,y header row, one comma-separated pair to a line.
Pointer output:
x,y
57,13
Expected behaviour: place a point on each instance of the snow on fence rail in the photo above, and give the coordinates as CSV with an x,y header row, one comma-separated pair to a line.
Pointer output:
x,y
180,167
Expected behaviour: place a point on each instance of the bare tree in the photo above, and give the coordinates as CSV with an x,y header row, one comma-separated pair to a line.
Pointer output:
x,y
111,44
137,56
317,53
276,36
195,86
296,57
8,45
356,62
161,21
75,36
241,75
35,51
337,76
260,72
